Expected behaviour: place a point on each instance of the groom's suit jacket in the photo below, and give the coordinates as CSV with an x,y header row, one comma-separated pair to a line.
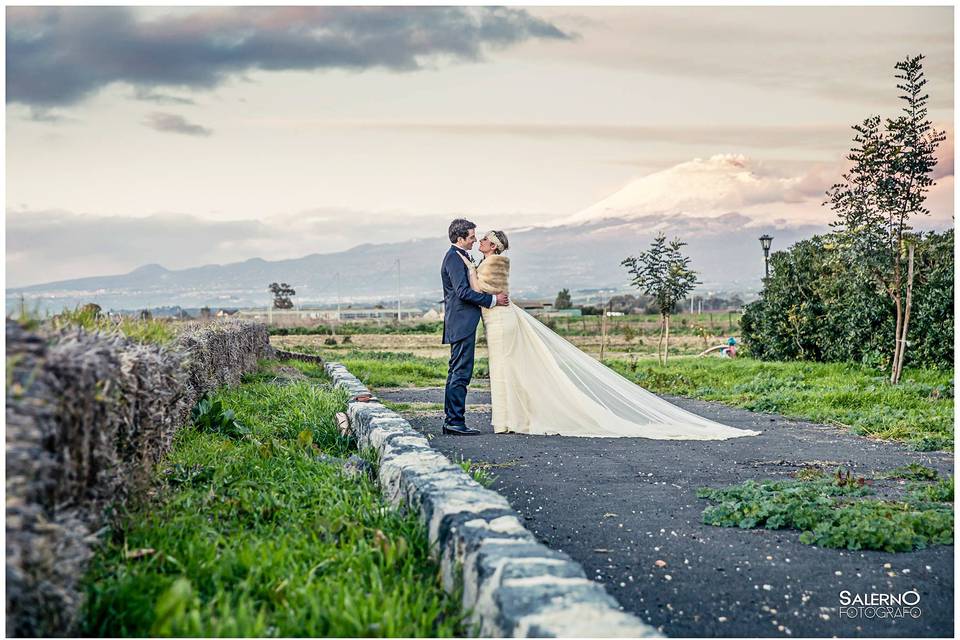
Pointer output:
x,y
461,304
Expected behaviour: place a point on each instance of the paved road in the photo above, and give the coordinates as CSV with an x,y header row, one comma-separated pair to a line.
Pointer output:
x,y
618,505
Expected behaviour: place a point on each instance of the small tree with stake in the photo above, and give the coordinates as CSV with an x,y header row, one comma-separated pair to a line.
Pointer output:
x,y
885,187
281,295
663,273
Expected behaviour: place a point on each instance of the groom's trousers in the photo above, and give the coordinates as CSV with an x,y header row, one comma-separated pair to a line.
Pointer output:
x,y
458,377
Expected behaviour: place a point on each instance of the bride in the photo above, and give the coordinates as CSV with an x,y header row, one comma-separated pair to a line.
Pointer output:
x,y
542,384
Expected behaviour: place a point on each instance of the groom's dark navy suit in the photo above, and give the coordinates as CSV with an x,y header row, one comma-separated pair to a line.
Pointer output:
x,y
461,315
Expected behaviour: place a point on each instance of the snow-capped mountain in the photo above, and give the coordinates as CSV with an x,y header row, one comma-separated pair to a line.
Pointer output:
x,y
710,188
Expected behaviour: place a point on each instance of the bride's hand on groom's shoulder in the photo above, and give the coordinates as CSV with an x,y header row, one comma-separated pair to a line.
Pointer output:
x,y
467,261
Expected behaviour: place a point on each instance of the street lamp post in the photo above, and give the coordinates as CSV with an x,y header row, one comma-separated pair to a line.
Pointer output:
x,y
765,241
398,290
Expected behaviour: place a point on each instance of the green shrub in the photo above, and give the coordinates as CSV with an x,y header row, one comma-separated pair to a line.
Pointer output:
x,y
816,305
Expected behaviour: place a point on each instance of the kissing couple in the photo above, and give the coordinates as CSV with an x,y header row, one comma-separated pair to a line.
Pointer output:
x,y
540,383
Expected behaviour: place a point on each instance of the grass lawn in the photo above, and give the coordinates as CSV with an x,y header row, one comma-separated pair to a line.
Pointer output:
x,y
919,410
245,533
392,369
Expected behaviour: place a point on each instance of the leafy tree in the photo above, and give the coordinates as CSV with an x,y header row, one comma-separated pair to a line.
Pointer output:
x,y
885,188
282,293
663,273
563,300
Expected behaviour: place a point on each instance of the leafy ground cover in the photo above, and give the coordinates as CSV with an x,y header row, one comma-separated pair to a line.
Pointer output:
x,y
837,511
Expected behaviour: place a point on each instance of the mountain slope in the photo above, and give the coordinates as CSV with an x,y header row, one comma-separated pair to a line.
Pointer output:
x,y
544,260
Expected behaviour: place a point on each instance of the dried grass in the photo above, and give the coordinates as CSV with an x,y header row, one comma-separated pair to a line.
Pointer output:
x,y
88,414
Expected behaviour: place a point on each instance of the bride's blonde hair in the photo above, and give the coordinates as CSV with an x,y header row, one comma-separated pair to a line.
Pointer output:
x,y
499,240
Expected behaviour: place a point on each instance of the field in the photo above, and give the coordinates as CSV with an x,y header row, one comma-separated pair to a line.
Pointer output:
x,y
918,411
429,346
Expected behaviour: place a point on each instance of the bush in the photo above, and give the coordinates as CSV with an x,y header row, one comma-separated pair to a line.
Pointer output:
x,y
817,306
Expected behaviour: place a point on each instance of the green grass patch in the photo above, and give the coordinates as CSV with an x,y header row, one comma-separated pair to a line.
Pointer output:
x,y
477,471
249,535
410,407
912,471
393,369
918,411
148,331
831,511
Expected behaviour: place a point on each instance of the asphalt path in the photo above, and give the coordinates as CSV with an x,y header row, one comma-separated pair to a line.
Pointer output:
x,y
627,510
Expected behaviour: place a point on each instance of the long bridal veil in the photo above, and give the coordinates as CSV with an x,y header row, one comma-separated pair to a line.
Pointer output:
x,y
601,402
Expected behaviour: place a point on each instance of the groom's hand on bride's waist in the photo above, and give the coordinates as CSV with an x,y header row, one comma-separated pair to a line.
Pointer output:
x,y
503,299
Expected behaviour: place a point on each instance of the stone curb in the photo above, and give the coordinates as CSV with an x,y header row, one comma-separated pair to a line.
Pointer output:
x,y
514,586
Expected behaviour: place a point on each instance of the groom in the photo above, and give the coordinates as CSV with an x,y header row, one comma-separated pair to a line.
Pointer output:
x,y
461,314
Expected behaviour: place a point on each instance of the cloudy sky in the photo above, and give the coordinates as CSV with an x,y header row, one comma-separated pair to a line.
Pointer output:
x,y
190,136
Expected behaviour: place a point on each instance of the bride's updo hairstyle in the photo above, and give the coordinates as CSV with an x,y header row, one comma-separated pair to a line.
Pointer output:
x,y
499,241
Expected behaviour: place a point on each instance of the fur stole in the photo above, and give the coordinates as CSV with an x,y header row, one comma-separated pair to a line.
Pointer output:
x,y
493,274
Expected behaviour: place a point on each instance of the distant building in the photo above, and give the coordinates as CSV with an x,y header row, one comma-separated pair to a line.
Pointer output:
x,y
347,314
544,309
534,305
227,313
379,314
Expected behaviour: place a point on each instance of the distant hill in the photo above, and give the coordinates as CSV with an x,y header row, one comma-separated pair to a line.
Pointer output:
x,y
583,255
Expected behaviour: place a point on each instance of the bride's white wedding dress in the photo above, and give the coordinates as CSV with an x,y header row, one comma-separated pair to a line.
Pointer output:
x,y
542,384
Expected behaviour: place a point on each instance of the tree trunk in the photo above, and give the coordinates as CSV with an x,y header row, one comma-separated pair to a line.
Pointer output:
x,y
897,337
603,333
666,347
906,315
660,342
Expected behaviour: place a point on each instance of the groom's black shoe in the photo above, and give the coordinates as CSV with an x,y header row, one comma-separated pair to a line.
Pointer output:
x,y
459,430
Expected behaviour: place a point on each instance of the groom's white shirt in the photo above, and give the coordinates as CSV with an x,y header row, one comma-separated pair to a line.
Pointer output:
x,y
494,302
